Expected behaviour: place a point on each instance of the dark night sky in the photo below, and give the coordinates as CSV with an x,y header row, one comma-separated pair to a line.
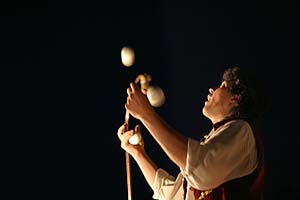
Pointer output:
x,y
64,86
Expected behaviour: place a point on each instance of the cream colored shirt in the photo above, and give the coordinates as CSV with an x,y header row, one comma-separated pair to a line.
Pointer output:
x,y
227,153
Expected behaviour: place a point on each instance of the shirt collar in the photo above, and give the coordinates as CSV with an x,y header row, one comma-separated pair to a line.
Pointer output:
x,y
222,122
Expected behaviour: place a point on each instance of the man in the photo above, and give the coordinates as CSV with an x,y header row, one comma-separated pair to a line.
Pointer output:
x,y
226,165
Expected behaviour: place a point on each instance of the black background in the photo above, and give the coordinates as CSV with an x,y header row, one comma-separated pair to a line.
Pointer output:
x,y
64,86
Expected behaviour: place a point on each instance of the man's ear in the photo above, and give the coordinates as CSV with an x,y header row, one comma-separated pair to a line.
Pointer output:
x,y
236,99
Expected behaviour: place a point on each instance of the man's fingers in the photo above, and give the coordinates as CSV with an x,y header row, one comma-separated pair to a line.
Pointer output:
x,y
129,90
134,86
127,135
137,128
122,129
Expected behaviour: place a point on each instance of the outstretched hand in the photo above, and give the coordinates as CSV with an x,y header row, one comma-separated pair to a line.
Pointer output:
x,y
137,102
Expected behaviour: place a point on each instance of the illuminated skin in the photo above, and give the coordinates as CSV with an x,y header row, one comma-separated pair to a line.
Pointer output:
x,y
219,103
218,106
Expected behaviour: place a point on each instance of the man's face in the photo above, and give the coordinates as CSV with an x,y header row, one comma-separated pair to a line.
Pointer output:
x,y
219,103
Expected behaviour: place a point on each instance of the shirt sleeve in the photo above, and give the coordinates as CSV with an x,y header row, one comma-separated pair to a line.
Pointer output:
x,y
230,154
166,187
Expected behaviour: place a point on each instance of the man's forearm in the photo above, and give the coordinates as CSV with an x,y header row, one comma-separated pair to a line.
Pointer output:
x,y
173,143
147,166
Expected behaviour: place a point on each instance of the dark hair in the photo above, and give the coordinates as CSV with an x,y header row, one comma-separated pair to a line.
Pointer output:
x,y
254,100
